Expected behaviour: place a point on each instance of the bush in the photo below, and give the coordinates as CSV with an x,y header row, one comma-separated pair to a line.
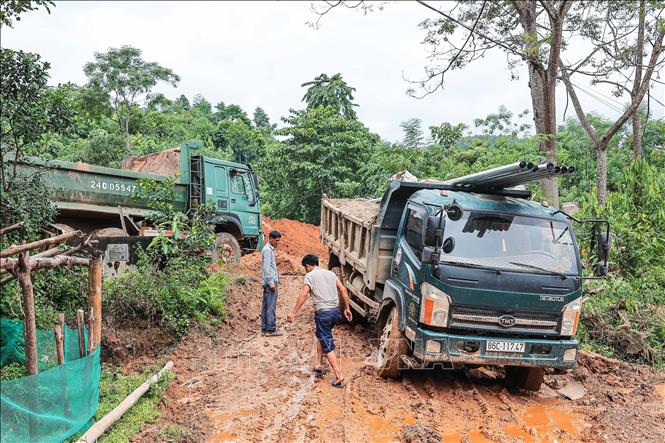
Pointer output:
x,y
625,315
171,295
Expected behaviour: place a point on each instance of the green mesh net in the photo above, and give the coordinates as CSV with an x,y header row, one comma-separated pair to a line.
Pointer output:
x,y
57,402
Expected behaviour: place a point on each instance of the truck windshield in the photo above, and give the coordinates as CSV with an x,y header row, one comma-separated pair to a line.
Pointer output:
x,y
512,242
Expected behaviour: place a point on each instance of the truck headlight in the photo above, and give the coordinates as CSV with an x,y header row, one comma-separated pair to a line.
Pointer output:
x,y
434,306
571,317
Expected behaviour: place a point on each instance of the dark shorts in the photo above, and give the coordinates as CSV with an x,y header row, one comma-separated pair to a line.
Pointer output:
x,y
324,324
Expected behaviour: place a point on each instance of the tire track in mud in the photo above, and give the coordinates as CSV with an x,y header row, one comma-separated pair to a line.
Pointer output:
x,y
255,388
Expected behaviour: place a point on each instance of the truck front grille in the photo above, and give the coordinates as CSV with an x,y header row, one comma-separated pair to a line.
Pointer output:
x,y
476,318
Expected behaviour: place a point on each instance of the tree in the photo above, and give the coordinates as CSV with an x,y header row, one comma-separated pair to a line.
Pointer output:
x,y
530,32
614,55
321,154
12,9
231,112
28,109
125,77
502,123
446,134
261,119
332,92
242,140
200,104
413,133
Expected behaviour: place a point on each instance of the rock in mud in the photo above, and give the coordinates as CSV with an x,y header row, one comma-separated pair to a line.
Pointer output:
x,y
419,433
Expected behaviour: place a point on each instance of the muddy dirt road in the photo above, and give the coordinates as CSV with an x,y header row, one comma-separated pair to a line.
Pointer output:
x,y
235,385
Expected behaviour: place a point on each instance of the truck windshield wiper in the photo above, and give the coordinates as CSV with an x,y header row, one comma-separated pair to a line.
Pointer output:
x,y
538,268
470,265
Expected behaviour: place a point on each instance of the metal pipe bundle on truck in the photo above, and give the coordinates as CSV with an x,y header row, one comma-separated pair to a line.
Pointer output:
x,y
458,273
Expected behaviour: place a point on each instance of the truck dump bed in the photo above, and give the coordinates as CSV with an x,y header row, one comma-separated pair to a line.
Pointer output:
x,y
348,228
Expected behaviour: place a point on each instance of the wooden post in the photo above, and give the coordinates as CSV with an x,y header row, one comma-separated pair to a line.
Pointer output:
x,y
30,328
59,331
95,298
80,321
91,338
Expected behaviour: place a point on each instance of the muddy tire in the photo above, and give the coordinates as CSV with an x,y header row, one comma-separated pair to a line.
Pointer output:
x,y
227,248
392,346
524,378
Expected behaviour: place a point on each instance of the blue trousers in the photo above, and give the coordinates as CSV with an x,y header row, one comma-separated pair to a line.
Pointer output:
x,y
268,307
325,321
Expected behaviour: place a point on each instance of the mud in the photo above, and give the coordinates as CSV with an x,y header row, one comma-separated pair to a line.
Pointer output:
x,y
233,384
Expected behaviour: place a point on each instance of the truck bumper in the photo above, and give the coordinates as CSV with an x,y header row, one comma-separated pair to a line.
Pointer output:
x,y
464,349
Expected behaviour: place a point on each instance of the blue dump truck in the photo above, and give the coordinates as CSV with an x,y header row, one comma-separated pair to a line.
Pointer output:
x,y
469,271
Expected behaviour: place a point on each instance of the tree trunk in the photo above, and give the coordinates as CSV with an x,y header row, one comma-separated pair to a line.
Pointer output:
x,y
30,327
545,123
601,171
637,134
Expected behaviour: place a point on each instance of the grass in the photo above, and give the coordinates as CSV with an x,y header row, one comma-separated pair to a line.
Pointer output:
x,y
114,386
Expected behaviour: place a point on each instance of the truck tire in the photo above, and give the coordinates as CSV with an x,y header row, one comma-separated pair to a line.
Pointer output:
x,y
392,346
524,378
227,248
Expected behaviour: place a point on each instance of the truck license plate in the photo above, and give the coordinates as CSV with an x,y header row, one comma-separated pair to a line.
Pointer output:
x,y
505,346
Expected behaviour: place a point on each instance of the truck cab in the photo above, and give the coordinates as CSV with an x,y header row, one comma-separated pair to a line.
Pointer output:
x,y
504,288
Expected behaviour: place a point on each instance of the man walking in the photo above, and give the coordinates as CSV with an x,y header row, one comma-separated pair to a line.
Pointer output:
x,y
325,288
270,285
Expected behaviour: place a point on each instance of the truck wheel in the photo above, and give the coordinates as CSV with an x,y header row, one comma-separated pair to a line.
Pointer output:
x,y
227,248
524,378
392,346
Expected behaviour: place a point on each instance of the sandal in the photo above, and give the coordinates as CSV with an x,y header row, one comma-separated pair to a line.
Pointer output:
x,y
319,372
337,384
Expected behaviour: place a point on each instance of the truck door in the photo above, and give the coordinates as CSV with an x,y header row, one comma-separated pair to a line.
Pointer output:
x,y
217,186
407,261
241,190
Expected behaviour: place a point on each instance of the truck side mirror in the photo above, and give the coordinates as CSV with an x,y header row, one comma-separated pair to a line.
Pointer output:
x,y
429,255
454,211
432,230
448,245
603,240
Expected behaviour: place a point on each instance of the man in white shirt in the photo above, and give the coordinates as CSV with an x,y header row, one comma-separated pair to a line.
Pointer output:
x,y
270,285
325,289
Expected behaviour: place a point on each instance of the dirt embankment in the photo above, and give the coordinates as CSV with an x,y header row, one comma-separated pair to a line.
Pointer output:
x,y
232,384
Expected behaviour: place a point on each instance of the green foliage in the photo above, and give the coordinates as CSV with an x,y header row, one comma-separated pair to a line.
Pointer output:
x,y
244,142
114,386
413,133
331,92
632,300
28,111
179,233
12,9
12,371
56,290
446,134
171,294
124,76
22,199
321,154
502,123
261,119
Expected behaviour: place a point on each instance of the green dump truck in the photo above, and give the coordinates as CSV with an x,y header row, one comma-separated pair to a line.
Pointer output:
x,y
102,200
465,272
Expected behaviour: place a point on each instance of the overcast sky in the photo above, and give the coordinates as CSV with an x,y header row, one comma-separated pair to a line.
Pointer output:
x,y
259,53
